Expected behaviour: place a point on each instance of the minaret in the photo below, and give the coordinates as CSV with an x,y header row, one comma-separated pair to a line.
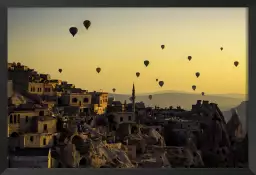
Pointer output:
x,y
133,98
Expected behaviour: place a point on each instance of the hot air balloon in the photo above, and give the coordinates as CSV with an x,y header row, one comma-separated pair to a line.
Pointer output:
x,y
156,79
162,46
87,24
146,63
73,31
98,69
114,89
150,97
236,63
197,74
221,48
60,70
137,74
194,87
189,58
161,83
202,93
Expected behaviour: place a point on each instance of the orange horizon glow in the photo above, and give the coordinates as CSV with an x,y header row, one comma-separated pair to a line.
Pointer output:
x,y
120,39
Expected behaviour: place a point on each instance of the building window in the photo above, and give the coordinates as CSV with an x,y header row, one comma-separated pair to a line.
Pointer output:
x,y
18,118
45,127
38,90
41,113
44,141
121,119
14,118
11,120
130,118
31,138
86,100
31,89
74,100
26,119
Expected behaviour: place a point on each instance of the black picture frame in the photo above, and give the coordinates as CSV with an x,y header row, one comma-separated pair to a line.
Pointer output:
x,y
251,117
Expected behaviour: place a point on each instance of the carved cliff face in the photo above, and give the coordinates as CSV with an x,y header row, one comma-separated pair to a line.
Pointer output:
x,y
234,111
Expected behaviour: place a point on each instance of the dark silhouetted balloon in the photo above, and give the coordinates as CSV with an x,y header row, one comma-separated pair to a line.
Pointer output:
x,y
194,87
87,24
221,48
156,79
73,31
203,93
137,74
236,63
150,97
197,74
189,58
161,83
146,63
60,70
162,46
130,98
114,89
98,69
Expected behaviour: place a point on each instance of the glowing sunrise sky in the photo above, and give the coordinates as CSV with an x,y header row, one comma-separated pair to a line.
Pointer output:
x,y
120,39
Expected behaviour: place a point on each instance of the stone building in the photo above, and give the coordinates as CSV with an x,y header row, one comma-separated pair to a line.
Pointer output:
x,y
75,99
30,126
99,102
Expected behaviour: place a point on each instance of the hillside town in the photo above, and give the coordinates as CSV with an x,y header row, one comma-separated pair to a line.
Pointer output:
x,y
54,124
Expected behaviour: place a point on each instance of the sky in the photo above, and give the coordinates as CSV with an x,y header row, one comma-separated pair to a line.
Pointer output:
x,y
120,39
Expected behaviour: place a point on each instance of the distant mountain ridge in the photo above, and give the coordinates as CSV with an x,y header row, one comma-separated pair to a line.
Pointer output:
x,y
186,100
231,95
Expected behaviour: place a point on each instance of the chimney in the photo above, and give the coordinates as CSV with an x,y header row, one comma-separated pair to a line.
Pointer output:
x,y
199,102
194,107
205,102
213,105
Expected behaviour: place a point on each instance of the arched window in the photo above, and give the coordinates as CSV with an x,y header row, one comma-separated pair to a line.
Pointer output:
x,y
44,141
45,127
14,118
74,100
18,119
11,119
86,100
41,113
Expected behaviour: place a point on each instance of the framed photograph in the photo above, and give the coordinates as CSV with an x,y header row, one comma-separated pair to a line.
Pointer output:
x,y
131,87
